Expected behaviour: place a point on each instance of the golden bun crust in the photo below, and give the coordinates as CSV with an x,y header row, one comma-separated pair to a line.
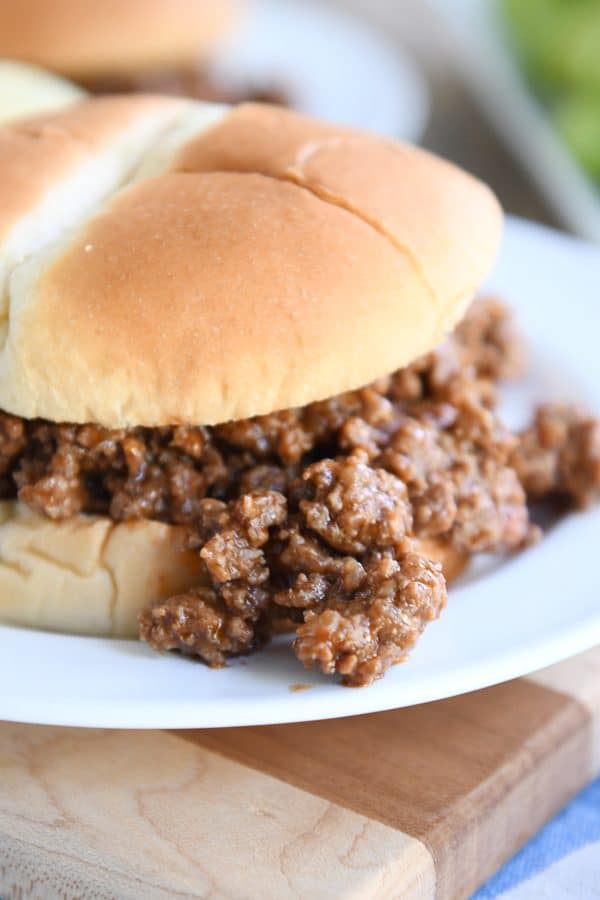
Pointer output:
x,y
87,38
254,260
88,574
100,140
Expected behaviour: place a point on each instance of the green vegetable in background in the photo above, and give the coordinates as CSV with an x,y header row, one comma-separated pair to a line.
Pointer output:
x,y
533,26
578,120
558,42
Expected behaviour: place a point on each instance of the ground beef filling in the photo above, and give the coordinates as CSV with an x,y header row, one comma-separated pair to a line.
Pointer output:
x,y
194,82
317,519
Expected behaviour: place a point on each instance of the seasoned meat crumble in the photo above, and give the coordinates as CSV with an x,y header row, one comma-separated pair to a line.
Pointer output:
x,y
192,81
560,455
321,519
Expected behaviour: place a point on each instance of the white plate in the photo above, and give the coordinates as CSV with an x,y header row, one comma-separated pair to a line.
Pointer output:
x,y
519,615
484,56
333,66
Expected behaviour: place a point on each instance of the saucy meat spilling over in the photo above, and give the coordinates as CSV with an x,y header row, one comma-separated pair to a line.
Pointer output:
x,y
323,519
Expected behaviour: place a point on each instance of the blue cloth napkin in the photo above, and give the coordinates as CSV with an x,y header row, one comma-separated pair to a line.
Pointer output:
x,y
562,862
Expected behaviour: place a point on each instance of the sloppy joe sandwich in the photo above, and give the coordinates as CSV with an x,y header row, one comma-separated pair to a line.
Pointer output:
x,y
242,389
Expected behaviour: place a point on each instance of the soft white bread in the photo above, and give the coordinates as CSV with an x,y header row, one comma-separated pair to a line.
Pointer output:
x,y
251,260
87,574
84,38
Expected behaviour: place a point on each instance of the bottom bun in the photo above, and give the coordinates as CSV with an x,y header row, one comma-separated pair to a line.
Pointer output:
x,y
88,574
453,561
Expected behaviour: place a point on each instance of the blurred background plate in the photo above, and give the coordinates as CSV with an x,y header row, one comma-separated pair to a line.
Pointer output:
x,y
482,51
333,66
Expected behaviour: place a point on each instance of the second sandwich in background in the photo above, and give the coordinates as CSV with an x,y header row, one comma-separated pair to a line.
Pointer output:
x,y
129,46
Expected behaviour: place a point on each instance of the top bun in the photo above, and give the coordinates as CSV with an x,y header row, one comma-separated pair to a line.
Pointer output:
x,y
175,262
89,38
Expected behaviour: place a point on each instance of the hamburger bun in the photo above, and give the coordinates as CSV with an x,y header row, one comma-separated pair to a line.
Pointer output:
x,y
452,560
173,262
86,39
87,574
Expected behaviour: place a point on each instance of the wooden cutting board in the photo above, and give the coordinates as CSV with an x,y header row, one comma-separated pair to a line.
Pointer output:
x,y
417,803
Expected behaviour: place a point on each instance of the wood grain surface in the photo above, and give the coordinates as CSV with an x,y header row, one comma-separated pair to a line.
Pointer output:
x,y
417,803
478,773
104,814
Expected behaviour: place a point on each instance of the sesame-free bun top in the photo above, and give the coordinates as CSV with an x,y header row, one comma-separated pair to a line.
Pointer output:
x,y
87,38
174,262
